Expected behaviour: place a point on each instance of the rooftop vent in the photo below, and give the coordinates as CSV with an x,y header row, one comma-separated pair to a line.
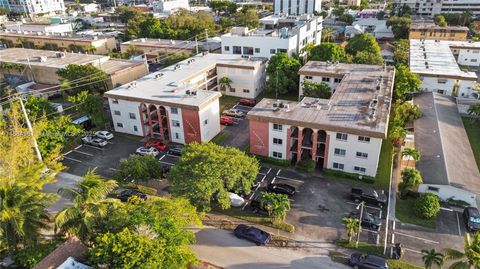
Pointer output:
x,y
159,75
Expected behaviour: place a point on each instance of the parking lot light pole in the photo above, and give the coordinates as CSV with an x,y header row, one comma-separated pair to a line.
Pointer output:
x,y
361,205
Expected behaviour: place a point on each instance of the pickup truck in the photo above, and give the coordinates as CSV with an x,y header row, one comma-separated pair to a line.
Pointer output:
x,y
369,196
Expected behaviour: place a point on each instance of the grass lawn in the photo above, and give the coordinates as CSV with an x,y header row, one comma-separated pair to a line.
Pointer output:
x,y
227,102
289,96
382,180
473,132
287,227
222,136
404,212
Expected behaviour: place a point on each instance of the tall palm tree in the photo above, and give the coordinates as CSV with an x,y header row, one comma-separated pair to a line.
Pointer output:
x,y
90,203
224,83
432,257
397,135
411,152
351,226
470,258
22,214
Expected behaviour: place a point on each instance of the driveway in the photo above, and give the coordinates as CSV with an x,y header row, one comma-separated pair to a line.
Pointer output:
x,y
238,134
64,180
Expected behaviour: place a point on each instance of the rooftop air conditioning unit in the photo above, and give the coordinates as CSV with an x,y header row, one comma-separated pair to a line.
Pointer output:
x,y
43,59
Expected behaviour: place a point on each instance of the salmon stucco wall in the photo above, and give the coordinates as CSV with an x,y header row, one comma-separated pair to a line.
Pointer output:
x,y
258,138
191,126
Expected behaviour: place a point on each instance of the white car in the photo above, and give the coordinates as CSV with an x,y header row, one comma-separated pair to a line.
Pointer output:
x,y
233,113
94,141
147,151
235,199
104,135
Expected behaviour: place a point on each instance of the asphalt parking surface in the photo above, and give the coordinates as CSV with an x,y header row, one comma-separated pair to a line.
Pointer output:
x,y
238,133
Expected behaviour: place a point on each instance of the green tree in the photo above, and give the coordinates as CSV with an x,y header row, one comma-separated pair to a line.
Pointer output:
x,y
397,135
222,6
431,258
29,256
338,11
474,111
440,21
405,82
90,104
399,26
38,107
140,168
23,215
327,35
427,206
83,77
327,52
411,179
56,134
127,250
282,72
247,17
276,205
346,18
407,111
90,203
351,226
365,43
317,90
363,57
226,23
402,51
470,257
411,152
208,171
224,83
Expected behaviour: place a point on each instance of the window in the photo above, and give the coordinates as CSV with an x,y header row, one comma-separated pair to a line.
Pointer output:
x,y
232,89
248,50
226,48
277,155
119,124
340,152
282,50
277,141
362,155
246,90
326,79
132,116
257,50
360,169
308,77
338,166
135,129
237,50
205,122
435,189
442,81
177,136
272,51
473,60
174,110
175,123
116,112
476,51
341,136
364,139
337,80
114,101
277,127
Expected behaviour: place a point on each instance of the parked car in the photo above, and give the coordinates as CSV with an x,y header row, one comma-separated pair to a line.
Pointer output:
x,y
235,199
368,219
281,188
125,194
233,113
147,151
94,141
106,135
471,218
363,261
257,206
160,146
369,196
247,102
225,120
175,151
252,234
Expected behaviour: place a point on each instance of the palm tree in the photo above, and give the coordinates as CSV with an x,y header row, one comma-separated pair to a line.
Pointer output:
x,y
89,205
327,34
431,257
224,83
411,178
351,226
277,205
470,258
397,135
22,214
411,152
474,111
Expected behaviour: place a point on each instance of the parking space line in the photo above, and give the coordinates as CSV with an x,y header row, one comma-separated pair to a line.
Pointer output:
x,y
166,163
161,158
412,250
279,170
72,159
93,147
68,152
88,154
446,209
269,170
113,169
171,155
458,224
273,180
78,147
287,178
263,178
419,238
367,206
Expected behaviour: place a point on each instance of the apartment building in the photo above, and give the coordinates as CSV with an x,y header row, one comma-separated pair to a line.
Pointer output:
x,y
41,66
297,7
34,8
344,132
39,27
430,8
438,68
278,33
153,47
434,32
169,6
180,103
62,42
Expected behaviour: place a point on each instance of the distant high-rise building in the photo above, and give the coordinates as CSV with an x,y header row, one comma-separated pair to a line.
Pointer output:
x,y
297,7
34,7
431,8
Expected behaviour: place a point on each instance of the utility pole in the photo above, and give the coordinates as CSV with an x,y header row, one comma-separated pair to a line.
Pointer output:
x,y
362,204
39,155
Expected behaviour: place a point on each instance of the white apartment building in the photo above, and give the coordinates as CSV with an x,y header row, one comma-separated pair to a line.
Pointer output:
x,y
34,8
343,133
435,62
169,6
279,33
34,28
431,8
297,7
180,103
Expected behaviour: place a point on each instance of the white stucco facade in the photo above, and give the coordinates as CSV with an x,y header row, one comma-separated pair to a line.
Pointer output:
x,y
432,8
122,122
297,7
246,83
277,141
209,121
469,57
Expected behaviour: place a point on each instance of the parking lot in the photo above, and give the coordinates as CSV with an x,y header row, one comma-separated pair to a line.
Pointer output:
x,y
238,133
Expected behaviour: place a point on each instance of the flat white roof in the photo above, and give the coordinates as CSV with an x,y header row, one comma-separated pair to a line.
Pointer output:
x,y
169,86
431,57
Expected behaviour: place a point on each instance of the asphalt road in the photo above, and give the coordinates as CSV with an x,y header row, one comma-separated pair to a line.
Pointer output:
x,y
221,248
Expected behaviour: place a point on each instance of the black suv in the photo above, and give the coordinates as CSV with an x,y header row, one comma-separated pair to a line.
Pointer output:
x,y
369,196
471,218
362,261
125,194
368,219
281,188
